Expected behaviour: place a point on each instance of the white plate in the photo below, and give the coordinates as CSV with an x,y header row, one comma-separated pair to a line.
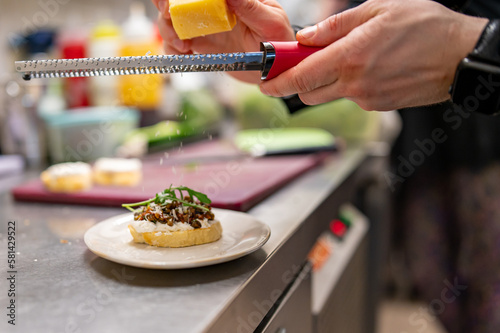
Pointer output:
x,y
241,234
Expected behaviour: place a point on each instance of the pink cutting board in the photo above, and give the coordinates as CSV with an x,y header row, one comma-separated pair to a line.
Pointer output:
x,y
236,184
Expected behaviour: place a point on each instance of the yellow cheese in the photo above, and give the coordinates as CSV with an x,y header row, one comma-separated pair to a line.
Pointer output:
x,y
194,18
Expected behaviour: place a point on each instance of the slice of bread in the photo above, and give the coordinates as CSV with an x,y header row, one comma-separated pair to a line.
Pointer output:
x,y
117,171
181,238
67,177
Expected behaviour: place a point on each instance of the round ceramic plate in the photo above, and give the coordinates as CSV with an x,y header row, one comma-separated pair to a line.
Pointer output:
x,y
241,234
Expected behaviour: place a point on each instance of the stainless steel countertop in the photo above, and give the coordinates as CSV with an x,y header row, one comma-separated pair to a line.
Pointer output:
x,y
63,287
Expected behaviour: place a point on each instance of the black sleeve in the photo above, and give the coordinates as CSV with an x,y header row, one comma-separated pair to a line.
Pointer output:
x,y
488,45
476,86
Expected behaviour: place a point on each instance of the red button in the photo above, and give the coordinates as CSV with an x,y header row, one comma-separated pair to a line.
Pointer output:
x,y
338,228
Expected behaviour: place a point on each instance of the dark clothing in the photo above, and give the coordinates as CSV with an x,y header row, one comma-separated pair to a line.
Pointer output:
x,y
472,139
452,234
447,200
482,8
448,208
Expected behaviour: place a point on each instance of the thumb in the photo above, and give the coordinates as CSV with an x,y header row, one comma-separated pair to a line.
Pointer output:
x,y
333,28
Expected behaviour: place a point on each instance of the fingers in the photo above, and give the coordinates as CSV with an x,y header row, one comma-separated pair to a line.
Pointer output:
x,y
320,69
172,43
321,95
162,6
316,78
264,17
335,26
248,11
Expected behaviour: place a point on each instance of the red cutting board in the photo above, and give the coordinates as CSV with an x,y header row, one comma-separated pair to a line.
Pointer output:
x,y
236,184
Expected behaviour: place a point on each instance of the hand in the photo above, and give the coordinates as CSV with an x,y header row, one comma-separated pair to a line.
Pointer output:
x,y
257,21
383,55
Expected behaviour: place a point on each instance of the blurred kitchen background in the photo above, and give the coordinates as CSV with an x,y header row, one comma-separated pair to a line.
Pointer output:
x,y
42,118
46,121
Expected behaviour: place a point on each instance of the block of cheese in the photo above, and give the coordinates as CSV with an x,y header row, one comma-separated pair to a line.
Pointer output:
x,y
195,18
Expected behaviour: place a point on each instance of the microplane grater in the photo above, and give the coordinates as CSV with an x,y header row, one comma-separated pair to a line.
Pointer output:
x,y
273,59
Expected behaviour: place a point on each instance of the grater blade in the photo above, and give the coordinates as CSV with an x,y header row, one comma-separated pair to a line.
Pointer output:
x,y
156,64
274,59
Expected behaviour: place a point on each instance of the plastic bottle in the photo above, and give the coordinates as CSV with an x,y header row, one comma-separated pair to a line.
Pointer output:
x,y
139,39
73,44
105,41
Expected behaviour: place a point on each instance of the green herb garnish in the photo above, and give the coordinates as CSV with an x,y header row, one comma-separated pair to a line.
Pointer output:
x,y
169,195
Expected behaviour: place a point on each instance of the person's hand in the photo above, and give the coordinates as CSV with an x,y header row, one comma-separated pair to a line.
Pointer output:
x,y
383,55
257,21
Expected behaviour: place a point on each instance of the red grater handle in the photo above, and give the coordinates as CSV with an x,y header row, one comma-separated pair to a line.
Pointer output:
x,y
288,55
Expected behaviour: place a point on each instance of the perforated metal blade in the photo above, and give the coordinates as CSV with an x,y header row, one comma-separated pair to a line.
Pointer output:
x,y
274,59
157,64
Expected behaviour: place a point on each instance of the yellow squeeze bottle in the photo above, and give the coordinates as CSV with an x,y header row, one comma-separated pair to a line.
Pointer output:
x,y
194,18
141,91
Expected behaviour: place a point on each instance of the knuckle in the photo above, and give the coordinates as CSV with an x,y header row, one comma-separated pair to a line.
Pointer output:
x,y
358,83
368,98
371,105
271,89
251,6
302,83
357,90
360,90
308,99
365,106
169,49
342,90
334,22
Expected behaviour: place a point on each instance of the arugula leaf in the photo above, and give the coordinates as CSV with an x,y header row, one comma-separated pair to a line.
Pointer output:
x,y
169,195
198,195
